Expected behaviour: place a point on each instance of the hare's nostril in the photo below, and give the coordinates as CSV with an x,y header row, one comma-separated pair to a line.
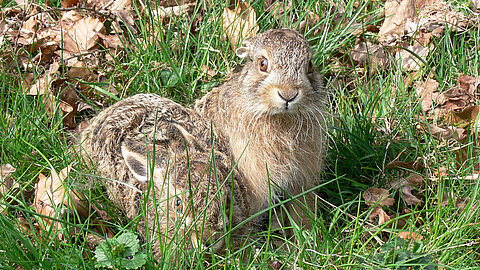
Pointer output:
x,y
288,96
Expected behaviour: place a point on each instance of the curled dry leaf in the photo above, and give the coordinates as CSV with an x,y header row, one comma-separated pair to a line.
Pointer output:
x,y
381,214
396,15
377,196
51,193
410,236
410,61
401,165
427,92
240,23
162,13
406,185
6,182
446,133
80,35
371,55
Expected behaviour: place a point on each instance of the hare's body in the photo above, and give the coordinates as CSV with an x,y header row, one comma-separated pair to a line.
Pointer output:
x,y
271,114
146,141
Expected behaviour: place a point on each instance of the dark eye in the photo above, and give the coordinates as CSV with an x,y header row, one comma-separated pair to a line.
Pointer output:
x,y
263,64
310,67
178,204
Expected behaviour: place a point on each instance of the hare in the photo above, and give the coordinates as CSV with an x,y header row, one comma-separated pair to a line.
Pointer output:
x,y
146,141
272,116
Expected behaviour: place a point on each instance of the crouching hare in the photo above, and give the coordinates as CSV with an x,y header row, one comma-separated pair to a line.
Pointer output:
x,y
147,141
272,114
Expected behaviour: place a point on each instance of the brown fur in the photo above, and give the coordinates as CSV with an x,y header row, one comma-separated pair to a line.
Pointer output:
x,y
262,129
122,141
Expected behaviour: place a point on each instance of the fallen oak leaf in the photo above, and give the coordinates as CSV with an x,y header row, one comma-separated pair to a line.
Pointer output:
x,y
401,165
407,236
377,196
406,185
239,24
51,193
378,211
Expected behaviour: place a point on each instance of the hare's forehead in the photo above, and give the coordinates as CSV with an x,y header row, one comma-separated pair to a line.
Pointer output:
x,y
287,52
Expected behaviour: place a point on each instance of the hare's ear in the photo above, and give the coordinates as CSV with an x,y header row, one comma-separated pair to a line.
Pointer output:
x,y
136,163
244,50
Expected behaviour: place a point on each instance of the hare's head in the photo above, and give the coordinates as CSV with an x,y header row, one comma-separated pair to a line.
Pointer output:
x,y
189,191
279,77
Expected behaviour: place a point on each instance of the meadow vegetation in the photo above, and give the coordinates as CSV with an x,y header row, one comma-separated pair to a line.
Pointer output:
x,y
400,190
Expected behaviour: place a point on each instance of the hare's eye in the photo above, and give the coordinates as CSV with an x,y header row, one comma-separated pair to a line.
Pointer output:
x,y
263,64
178,204
310,67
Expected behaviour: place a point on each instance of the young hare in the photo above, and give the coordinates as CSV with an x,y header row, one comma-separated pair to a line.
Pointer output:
x,y
272,115
147,141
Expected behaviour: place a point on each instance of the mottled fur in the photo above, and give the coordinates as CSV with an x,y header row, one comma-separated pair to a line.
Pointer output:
x,y
273,118
124,141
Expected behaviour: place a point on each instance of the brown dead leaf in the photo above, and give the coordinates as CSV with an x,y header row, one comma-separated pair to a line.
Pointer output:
x,y
377,196
43,84
427,92
410,61
81,35
446,133
239,24
6,182
396,14
371,55
51,193
410,236
381,214
406,185
162,13
69,3
401,165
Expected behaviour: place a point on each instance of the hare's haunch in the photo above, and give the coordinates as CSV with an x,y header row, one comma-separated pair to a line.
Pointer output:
x,y
146,141
272,116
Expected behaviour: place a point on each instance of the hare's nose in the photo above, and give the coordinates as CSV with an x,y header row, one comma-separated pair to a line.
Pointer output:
x,y
288,96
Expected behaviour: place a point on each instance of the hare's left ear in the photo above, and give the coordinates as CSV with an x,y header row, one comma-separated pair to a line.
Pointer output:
x,y
136,163
245,50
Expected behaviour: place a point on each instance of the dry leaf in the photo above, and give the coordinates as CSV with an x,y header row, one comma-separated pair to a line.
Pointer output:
x,y
51,193
240,23
396,14
82,35
371,55
400,165
162,13
411,62
428,93
446,133
380,213
410,236
377,196
406,185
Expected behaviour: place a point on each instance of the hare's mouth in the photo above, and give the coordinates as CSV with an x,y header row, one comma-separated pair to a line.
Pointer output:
x,y
211,243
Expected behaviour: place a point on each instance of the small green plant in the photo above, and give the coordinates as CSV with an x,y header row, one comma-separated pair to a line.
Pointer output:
x,y
121,252
398,254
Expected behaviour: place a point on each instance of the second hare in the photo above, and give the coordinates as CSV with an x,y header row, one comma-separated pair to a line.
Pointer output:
x,y
272,114
154,154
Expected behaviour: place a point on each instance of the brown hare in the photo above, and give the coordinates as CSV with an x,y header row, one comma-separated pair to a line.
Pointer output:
x,y
147,141
271,114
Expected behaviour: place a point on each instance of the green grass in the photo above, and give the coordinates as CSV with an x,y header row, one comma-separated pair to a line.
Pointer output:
x,y
373,123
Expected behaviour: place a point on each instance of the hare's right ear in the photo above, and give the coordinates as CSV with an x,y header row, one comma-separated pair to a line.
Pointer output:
x,y
136,163
244,50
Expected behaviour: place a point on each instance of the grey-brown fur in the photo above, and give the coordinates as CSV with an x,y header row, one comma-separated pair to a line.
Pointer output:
x,y
122,141
273,118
